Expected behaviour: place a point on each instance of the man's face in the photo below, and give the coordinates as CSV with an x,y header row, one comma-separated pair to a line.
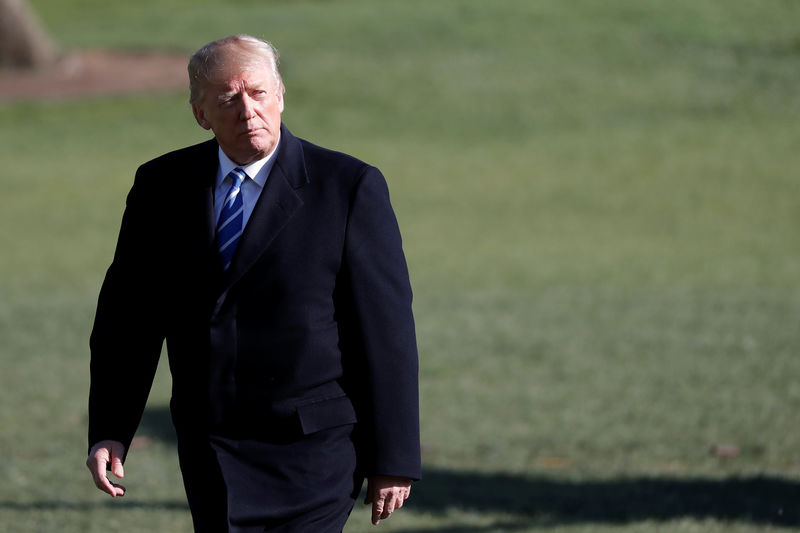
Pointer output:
x,y
243,108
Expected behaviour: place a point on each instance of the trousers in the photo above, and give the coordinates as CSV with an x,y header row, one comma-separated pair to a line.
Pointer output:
x,y
279,485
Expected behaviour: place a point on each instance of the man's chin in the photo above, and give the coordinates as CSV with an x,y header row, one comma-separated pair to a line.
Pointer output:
x,y
246,153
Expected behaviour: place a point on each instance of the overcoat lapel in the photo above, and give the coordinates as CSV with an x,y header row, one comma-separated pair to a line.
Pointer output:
x,y
201,180
274,208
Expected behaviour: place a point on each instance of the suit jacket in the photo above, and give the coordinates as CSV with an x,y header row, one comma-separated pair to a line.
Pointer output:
x,y
309,328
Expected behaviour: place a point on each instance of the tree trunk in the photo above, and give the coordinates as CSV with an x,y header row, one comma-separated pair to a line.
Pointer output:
x,y
23,41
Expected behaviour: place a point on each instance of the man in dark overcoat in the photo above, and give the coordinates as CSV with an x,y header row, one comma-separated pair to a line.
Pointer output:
x,y
273,268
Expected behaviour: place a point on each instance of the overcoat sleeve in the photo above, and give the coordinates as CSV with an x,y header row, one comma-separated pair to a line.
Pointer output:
x,y
127,335
379,343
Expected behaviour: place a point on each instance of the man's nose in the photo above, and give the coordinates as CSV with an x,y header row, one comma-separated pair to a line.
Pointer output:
x,y
247,107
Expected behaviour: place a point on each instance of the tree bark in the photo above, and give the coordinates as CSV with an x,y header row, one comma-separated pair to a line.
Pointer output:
x,y
23,41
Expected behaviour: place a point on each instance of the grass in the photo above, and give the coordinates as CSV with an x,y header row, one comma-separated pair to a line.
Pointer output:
x,y
599,205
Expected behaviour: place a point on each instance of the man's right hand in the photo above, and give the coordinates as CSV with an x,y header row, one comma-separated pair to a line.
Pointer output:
x,y
103,453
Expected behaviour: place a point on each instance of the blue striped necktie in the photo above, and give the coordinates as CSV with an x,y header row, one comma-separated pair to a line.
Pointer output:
x,y
229,226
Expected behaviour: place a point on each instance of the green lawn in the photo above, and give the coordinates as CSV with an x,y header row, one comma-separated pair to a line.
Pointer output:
x,y
600,204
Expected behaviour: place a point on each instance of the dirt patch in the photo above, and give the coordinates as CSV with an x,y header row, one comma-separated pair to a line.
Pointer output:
x,y
97,73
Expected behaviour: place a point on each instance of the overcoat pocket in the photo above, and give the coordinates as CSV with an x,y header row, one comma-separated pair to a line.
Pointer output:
x,y
325,414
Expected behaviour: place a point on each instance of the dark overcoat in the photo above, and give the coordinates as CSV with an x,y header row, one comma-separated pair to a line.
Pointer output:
x,y
307,337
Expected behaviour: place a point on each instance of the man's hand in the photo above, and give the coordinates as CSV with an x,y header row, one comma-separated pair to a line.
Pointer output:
x,y
386,494
104,452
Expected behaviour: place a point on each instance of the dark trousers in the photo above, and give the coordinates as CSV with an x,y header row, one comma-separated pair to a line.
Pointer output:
x,y
288,485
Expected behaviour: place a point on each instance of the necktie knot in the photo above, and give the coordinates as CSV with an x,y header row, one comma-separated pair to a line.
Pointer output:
x,y
238,175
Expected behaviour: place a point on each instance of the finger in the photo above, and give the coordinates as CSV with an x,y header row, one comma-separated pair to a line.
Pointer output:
x,y
390,504
116,461
97,466
377,511
116,468
102,482
113,489
119,490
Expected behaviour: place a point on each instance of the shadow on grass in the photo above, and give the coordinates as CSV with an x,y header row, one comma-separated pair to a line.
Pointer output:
x,y
541,502
105,502
536,502
757,500
495,526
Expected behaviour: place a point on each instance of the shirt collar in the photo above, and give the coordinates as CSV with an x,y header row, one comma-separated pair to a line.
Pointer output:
x,y
258,171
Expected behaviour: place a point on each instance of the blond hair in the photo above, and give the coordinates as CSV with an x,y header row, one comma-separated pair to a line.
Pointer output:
x,y
244,50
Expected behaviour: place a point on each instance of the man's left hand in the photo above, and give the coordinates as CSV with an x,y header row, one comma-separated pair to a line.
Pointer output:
x,y
386,494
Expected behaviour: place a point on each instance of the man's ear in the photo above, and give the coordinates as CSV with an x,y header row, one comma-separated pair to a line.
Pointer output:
x,y
279,96
200,117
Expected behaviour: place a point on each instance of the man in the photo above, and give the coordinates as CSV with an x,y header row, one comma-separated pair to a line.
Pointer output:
x,y
274,270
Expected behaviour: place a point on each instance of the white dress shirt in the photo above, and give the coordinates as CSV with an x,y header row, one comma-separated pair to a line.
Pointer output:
x,y
257,173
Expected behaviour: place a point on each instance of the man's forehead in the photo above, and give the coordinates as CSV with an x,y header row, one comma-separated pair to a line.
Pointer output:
x,y
231,76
